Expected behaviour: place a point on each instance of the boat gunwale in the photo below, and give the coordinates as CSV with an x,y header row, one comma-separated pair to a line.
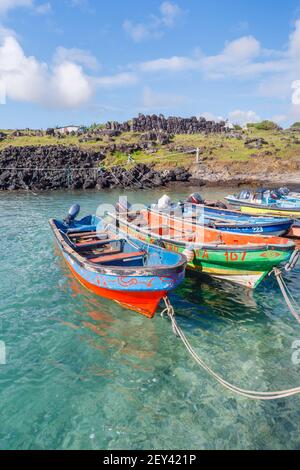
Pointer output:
x,y
117,270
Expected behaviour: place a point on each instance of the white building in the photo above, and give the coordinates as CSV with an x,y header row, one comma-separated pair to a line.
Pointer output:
x,y
68,129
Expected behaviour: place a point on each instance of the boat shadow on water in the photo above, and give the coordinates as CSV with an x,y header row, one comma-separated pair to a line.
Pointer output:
x,y
213,300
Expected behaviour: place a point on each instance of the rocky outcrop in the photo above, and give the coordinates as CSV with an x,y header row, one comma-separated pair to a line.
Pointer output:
x,y
255,143
47,167
170,125
159,137
62,167
141,176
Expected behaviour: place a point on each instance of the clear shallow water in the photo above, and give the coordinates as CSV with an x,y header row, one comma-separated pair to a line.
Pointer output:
x,y
84,373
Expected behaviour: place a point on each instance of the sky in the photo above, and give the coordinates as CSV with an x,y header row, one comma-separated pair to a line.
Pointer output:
x,y
78,62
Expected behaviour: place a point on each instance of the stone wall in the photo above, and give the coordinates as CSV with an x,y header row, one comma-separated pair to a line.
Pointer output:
x,y
171,125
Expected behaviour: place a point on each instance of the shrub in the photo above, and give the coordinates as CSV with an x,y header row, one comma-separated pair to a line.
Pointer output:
x,y
264,125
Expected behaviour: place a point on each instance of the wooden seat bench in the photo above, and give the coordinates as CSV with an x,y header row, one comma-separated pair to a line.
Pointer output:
x,y
116,257
81,234
89,245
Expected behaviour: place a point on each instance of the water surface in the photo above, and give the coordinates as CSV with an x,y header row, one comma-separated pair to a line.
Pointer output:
x,y
84,373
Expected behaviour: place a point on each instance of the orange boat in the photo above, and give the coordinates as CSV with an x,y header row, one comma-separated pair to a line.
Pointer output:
x,y
239,258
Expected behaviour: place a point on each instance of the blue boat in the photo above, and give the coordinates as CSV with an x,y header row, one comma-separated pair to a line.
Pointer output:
x,y
233,221
131,272
224,219
264,198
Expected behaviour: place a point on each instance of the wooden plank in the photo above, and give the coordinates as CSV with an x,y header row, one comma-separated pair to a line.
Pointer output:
x,y
107,258
78,234
93,242
102,253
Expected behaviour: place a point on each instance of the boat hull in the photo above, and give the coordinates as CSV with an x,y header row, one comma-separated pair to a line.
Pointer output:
x,y
248,224
232,221
276,230
257,209
142,302
245,265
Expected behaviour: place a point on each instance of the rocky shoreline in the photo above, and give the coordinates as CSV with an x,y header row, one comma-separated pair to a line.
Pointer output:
x,y
57,167
60,167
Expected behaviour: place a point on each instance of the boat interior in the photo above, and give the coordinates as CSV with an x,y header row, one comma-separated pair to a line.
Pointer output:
x,y
101,246
176,229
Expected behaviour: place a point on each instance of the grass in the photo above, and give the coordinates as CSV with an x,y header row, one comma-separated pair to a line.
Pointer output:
x,y
214,148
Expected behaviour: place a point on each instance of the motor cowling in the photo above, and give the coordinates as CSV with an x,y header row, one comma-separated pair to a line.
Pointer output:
x,y
72,214
195,198
164,203
123,206
283,191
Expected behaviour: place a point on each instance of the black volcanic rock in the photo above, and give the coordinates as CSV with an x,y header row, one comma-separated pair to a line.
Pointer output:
x,y
69,167
49,167
170,125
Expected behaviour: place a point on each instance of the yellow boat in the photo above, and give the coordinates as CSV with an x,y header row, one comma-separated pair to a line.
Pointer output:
x,y
268,211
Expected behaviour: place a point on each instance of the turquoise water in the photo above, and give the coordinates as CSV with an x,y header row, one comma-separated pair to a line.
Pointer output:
x,y
83,373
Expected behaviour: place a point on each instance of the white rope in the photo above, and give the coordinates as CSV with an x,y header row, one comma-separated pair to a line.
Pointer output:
x,y
285,292
254,395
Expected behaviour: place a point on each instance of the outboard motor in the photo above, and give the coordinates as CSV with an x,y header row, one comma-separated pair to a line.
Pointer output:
x,y
195,198
221,205
123,206
164,203
244,195
72,214
274,194
283,191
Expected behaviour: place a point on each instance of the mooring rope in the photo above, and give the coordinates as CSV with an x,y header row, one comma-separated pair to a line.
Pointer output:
x,y
254,395
286,293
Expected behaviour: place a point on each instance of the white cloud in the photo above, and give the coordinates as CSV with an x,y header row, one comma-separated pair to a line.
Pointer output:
x,y
236,59
6,5
243,117
173,64
26,79
43,8
153,28
211,117
139,31
243,58
73,88
40,9
61,84
169,13
233,59
119,80
153,100
79,56
296,93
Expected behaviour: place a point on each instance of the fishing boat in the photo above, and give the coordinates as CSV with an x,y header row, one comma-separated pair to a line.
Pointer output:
x,y
196,210
229,220
242,259
264,202
234,221
116,266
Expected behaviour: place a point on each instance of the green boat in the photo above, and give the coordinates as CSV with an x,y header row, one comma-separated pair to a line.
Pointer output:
x,y
242,259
